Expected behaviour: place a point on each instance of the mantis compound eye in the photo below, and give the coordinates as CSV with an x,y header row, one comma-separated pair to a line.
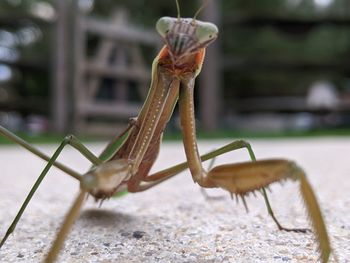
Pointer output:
x,y
206,32
164,25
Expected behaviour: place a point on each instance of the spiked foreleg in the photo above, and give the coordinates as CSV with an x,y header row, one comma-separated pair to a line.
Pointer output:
x,y
199,174
315,215
242,178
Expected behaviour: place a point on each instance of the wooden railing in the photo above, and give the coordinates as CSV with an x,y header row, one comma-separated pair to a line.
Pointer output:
x,y
104,81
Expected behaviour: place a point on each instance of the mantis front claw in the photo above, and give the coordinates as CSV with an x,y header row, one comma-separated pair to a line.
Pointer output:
x,y
243,178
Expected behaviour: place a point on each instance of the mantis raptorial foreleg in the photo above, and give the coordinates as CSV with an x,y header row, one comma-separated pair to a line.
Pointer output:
x,y
242,178
161,176
190,142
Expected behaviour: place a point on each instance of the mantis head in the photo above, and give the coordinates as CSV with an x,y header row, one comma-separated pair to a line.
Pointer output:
x,y
185,36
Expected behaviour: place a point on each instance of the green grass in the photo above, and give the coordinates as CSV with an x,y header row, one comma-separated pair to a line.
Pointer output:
x,y
264,135
171,136
42,138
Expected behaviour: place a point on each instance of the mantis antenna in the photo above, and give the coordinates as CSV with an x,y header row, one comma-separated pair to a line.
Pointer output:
x,y
200,9
178,9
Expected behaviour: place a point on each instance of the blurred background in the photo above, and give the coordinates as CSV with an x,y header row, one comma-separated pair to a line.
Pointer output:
x,y
84,66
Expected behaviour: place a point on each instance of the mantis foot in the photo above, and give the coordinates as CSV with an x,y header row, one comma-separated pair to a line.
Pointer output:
x,y
210,197
296,230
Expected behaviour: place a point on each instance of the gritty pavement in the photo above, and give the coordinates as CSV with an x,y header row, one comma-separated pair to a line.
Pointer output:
x,y
173,222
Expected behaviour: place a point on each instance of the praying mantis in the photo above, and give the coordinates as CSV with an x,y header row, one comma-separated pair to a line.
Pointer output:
x,y
127,167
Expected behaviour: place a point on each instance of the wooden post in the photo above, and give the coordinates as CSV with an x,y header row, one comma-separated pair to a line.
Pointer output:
x,y
210,93
79,51
60,68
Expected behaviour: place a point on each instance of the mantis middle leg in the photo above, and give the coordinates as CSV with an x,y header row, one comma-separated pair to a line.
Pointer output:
x,y
69,140
14,138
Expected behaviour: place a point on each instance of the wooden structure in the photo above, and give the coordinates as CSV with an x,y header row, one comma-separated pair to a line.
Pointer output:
x,y
60,67
89,92
210,79
103,82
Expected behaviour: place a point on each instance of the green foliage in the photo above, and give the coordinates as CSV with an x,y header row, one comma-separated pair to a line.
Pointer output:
x,y
242,134
270,44
283,36
145,12
297,9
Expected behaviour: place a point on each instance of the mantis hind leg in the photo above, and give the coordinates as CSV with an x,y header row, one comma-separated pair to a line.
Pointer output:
x,y
67,224
69,140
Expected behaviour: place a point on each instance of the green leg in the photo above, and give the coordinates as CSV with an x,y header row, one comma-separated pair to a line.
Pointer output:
x,y
69,140
280,227
204,191
12,137
165,174
267,202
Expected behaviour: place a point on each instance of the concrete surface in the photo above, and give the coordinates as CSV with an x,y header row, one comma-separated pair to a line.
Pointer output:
x,y
173,222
